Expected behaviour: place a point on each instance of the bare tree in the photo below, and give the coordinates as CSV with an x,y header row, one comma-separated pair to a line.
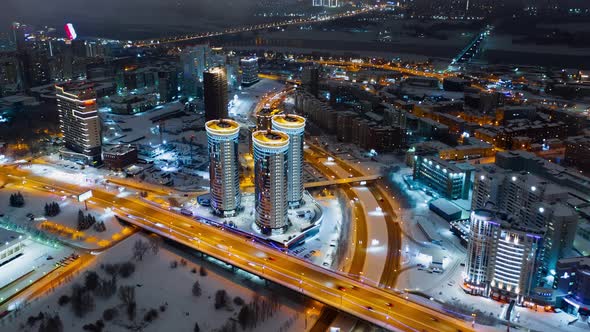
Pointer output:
x,y
155,243
127,294
197,289
139,249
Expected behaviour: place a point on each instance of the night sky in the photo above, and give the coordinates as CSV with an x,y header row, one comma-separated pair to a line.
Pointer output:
x,y
128,18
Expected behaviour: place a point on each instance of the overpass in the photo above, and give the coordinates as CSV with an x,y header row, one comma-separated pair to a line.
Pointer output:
x,y
381,307
326,183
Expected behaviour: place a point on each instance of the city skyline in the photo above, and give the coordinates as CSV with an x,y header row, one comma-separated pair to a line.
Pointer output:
x,y
295,165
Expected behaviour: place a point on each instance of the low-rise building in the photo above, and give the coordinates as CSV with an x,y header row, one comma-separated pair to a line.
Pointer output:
x,y
119,156
450,179
572,282
11,245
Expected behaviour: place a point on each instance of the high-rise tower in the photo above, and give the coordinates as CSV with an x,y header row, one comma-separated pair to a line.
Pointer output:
x,y
215,90
79,121
270,169
249,71
222,139
294,126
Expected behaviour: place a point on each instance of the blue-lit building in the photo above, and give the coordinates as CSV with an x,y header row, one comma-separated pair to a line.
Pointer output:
x,y
270,170
572,284
450,179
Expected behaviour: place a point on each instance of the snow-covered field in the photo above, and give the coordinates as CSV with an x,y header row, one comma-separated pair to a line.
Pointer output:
x,y
64,225
157,284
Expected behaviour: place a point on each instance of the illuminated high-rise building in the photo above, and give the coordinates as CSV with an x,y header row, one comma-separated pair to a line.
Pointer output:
x,y
195,60
216,98
294,126
264,118
270,169
249,71
504,257
222,139
79,122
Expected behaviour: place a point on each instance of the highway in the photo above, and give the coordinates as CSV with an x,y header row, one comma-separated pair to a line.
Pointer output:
x,y
375,305
392,262
337,181
403,70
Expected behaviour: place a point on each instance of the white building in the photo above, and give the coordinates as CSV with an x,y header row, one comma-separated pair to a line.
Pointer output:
x,y
79,122
222,138
294,126
270,171
533,201
504,257
11,245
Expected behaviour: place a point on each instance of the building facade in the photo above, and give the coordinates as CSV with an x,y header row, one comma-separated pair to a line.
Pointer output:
x,y
119,156
79,122
504,257
222,139
532,201
11,245
294,126
450,179
249,71
271,188
215,90
572,282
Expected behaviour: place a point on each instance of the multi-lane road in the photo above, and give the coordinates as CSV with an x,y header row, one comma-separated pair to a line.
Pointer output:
x,y
376,305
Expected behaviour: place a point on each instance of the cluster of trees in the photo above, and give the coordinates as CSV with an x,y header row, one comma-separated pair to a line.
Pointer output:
x,y
100,227
49,323
258,310
85,221
17,200
127,296
141,247
123,270
52,209
94,327
36,234
482,317
221,299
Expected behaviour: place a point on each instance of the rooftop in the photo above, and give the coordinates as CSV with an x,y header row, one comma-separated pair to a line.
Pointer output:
x,y
222,127
7,237
289,121
270,138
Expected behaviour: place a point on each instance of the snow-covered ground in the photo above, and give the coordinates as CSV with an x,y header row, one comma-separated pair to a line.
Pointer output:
x,y
64,225
157,284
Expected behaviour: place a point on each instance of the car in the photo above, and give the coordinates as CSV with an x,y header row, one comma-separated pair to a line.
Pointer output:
x,y
326,264
270,258
389,304
370,308
341,288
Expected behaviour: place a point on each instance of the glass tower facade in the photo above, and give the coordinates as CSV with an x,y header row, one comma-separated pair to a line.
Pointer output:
x,y
270,169
294,126
222,141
